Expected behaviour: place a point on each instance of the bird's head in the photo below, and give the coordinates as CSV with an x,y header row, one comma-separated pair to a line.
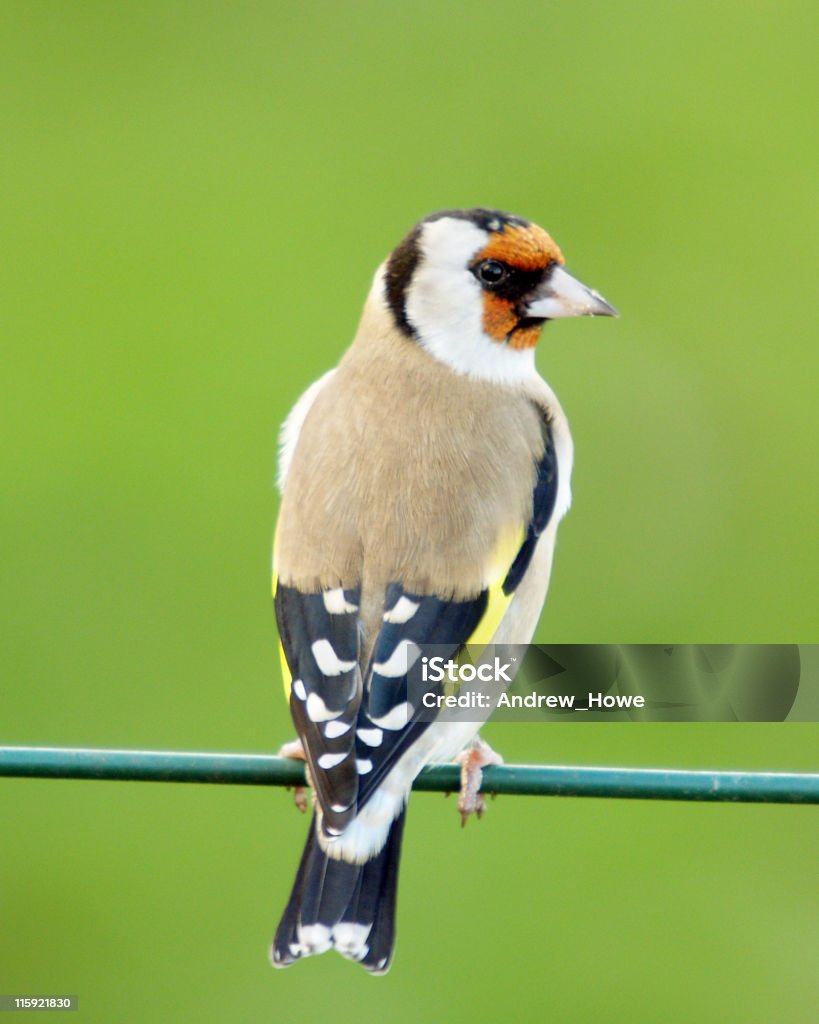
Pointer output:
x,y
474,288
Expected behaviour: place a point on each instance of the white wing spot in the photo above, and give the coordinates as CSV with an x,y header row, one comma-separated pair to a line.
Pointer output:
x,y
299,690
336,603
328,661
400,661
317,710
328,761
335,729
372,737
402,611
363,767
397,717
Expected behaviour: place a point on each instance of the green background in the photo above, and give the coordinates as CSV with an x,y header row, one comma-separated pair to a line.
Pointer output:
x,y
195,197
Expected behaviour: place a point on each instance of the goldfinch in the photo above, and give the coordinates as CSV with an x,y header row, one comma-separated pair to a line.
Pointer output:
x,y
422,483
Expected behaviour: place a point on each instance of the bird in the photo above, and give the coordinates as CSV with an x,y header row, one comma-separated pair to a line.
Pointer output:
x,y
422,482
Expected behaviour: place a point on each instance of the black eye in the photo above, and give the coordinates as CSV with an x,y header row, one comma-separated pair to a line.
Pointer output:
x,y
490,272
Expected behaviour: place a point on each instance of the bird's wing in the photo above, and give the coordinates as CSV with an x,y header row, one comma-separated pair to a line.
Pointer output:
x,y
319,646
388,725
543,505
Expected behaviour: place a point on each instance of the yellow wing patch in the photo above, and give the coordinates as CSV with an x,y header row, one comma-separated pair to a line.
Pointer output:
x,y
497,602
287,678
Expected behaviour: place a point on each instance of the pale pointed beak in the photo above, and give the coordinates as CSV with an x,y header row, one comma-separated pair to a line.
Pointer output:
x,y
563,295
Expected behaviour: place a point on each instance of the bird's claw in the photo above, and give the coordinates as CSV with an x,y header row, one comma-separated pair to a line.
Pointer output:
x,y
477,756
300,798
295,750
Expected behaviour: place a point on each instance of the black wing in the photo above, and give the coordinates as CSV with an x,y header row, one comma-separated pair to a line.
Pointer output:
x,y
320,639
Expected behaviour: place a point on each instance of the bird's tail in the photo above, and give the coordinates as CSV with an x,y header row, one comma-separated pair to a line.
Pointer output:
x,y
348,907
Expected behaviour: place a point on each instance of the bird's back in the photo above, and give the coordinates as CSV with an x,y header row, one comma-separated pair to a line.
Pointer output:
x,y
434,495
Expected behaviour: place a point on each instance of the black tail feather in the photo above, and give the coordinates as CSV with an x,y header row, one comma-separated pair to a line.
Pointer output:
x,y
347,906
289,921
381,940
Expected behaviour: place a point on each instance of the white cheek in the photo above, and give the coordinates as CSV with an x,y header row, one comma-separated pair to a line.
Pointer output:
x,y
445,307
444,295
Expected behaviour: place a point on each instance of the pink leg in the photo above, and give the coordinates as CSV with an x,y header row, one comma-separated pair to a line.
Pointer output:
x,y
477,756
295,750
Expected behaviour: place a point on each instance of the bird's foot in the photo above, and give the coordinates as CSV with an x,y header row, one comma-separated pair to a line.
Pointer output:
x,y
477,756
295,750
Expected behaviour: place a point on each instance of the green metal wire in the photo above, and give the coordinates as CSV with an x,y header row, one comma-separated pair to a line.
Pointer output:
x,y
526,780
